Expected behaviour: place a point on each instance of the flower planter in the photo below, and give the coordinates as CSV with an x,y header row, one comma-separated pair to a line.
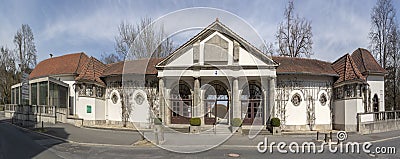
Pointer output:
x,y
194,129
276,131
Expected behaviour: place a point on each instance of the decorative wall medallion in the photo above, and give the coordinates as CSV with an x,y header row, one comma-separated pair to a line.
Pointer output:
x,y
296,99
114,98
139,99
323,99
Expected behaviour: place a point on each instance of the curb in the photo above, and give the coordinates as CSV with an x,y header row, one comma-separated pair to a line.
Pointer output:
x,y
105,128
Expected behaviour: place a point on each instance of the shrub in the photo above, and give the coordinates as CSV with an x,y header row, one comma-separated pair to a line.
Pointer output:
x,y
157,121
275,122
237,122
195,121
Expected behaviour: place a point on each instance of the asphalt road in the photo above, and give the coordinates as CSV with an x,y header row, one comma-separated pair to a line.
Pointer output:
x,y
19,143
16,143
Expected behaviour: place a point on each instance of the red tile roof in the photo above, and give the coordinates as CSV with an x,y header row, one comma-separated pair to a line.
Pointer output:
x,y
347,70
366,63
294,65
140,66
66,64
92,71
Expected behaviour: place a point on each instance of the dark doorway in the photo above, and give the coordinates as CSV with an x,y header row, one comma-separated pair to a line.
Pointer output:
x,y
251,104
216,101
181,104
375,103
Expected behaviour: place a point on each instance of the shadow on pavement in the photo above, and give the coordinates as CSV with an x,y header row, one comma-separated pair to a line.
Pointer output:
x,y
18,142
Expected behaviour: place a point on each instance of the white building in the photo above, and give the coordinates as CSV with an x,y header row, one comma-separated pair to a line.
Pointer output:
x,y
216,76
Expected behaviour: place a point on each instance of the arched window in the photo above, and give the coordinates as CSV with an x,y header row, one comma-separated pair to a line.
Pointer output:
x,y
375,102
181,103
251,98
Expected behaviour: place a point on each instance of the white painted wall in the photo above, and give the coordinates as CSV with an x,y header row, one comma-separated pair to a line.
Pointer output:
x,y
100,110
345,111
186,59
245,58
81,103
296,115
114,111
377,86
339,111
140,112
322,112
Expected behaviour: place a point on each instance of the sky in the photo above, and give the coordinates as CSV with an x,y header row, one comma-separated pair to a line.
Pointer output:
x,y
90,26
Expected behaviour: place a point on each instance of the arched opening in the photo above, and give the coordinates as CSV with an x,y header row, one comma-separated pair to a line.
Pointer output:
x,y
251,98
375,103
181,103
216,101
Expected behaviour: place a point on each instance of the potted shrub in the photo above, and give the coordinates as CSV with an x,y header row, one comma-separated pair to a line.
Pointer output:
x,y
276,123
236,125
194,125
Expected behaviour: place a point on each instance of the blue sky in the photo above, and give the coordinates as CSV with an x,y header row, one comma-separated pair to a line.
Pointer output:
x,y
60,27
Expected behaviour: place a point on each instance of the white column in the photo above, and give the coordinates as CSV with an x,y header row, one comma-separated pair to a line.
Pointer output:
x,y
236,102
272,96
196,98
161,99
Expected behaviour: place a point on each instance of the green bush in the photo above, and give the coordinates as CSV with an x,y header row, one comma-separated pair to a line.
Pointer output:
x,y
157,121
195,121
237,122
1,108
275,122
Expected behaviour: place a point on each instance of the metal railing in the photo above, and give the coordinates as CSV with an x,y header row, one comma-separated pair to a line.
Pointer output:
x,y
31,109
378,116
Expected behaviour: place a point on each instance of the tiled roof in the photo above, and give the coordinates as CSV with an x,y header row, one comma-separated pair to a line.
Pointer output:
x,y
114,69
66,64
347,70
92,71
365,62
140,66
294,65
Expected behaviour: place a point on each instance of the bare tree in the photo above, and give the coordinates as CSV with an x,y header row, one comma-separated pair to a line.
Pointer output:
x,y
109,58
142,40
382,25
25,48
294,35
392,66
8,73
268,48
384,44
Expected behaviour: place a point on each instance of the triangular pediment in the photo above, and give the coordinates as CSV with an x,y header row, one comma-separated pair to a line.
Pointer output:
x,y
221,36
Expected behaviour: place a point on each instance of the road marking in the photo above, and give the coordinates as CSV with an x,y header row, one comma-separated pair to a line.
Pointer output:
x,y
386,139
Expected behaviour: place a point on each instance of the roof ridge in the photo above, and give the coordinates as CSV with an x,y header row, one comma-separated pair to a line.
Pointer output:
x,y
305,58
345,66
355,69
362,59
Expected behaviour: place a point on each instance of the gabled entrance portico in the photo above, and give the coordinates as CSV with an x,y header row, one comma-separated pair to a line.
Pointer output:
x,y
216,76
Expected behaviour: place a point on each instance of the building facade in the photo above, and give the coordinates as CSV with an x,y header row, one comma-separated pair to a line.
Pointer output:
x,y
216,76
